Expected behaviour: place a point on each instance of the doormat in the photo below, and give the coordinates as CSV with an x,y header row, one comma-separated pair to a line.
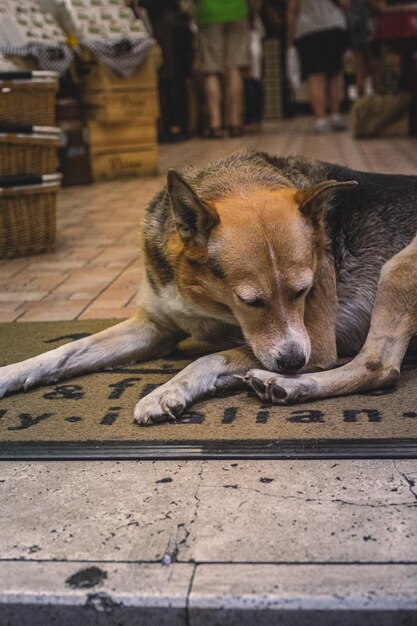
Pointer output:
x,y
90,417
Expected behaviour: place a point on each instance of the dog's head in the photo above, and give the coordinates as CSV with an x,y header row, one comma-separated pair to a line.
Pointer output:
x,y
254,255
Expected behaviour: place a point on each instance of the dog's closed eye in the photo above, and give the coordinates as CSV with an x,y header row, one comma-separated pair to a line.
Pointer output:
x,y
255,302
299,293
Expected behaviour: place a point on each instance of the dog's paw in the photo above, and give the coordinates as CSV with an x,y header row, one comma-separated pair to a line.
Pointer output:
x,y
164,404
276,389
12,379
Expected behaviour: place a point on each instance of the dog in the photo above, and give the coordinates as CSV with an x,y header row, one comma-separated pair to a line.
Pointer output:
x,y
284,265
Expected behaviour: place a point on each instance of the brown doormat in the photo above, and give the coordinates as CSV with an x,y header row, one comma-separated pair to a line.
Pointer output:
x,y
90,417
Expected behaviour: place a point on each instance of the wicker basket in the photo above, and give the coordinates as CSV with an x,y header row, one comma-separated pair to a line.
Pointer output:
x,y
29,100
27,218
33,154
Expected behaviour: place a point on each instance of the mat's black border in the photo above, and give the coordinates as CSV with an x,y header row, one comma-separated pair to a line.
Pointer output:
x,y
197,450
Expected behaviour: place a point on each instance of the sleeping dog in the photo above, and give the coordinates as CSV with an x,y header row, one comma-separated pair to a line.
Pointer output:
x,y
285,265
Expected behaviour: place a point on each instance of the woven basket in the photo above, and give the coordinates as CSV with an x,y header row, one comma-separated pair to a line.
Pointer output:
x,y
28,154
27,219
28,102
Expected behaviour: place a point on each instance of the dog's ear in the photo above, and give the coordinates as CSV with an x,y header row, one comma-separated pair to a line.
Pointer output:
x,y
313,199
194,218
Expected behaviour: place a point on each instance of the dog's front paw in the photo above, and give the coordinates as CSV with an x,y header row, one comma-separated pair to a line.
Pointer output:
x,y
13,378
165,403
277,389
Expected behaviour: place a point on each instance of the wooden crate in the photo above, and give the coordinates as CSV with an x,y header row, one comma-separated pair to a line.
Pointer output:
x,y
116,107
122,163
97,76
135,132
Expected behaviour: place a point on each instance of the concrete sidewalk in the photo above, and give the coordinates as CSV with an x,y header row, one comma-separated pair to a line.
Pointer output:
x,y
209,542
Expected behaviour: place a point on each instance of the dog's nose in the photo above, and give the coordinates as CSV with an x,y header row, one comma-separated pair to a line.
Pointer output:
x,y
291,363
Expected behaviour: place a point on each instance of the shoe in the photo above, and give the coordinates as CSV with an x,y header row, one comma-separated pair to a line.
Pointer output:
x,y
321,126
236,131
214,133
337,122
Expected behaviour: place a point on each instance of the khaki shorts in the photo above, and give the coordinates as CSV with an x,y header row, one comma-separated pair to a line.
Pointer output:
x,y
223,46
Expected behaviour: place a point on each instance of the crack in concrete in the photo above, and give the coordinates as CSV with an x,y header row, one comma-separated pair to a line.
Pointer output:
x,y
175,541
325,500
410,481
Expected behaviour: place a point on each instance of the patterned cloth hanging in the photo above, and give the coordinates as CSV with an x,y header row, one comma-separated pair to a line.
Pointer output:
x,y
123,56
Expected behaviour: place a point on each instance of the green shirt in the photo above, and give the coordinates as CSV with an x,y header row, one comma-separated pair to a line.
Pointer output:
x,y
220,11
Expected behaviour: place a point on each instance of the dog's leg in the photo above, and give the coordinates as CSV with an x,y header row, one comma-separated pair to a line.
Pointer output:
x,y
133,339
208,373
394,322
320,318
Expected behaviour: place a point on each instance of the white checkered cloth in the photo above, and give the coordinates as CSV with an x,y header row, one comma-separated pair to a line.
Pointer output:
x,y
56,58
123,56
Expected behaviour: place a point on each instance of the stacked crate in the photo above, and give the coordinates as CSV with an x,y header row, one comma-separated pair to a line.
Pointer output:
x,y
122,116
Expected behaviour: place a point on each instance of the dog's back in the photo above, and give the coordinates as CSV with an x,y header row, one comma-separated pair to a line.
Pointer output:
x,y
367,227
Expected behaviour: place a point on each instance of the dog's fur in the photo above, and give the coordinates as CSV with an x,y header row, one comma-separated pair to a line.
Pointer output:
x,y
288,263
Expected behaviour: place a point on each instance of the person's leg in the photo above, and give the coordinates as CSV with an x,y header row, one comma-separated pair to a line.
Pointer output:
x,y
335,93
258,101
317,94
361,71
214,100
334,46
253,103
234,77
236,58
163,122
211,44
178,109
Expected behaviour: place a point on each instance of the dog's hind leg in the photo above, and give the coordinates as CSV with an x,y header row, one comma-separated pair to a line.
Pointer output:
x,y
393,323
206,374
138,338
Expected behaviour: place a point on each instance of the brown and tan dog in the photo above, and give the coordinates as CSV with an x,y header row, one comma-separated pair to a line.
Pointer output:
x,y
288,263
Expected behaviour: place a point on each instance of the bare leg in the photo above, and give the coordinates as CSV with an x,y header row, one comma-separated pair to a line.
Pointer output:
x,y
236,95
335,93
215,371
317,93
133,339
214,99
394,322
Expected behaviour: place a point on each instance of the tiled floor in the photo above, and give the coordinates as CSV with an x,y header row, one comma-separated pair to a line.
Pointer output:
x,y
95,270
197,543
